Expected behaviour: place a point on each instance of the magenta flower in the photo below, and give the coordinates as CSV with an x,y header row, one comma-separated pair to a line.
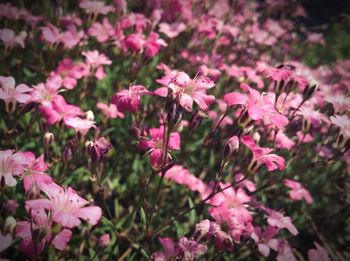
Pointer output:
x,y
263,156
69,72
259,106
298,192
230,197
133,42
40,223
66,207
155,145
265,239
71,37
318,254
11,93
186,90
129,100
152,44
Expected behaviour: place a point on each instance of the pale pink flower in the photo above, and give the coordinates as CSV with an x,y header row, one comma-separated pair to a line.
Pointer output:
x,y
96,7
11,93
129,100
318,254
45,93
95,59
71,37
80,125
6,241
186,91
265,239
11,205
40,223
103,31
10,39
340,103
282,141
343,123
298,192
263,156
104,240
69,72
172,30
51,34
110,111
11,164
316,38
66,206
276,219
155,145
285,252
231,198
259,106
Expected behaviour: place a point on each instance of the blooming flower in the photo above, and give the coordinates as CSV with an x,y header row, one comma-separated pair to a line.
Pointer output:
x,y
80,125
318,254
172,30
259,106
10,93
11,164
95,59
155,145
8,37
277,219
96,7
129,100
263,156
110,111
186,90
69,72
153,44
265,239
298,192
66,206
40,224
103,31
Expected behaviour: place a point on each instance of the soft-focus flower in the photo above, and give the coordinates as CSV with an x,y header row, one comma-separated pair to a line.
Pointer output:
x,y
129,100
96,7
103,31
277,219
6,241
298,192
265,239
80,125
104,240
100,147
95,59
8,37
263,156
110,111
259,106
172,30
343,123
51,34
11,164
11,93
318,254
186,90
69,72
66,206
156,145
153,44
71,37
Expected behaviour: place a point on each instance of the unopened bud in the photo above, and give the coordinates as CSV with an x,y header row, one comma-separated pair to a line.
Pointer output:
x,y
10,106
309,90
88,146
90,116
68,151
10,224
174,113
48,139
230,148
196,120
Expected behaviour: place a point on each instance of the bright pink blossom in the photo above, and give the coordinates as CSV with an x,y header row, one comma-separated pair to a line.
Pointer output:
x,y
298,192
152,44
259,106
129,100
66,206
156,145
263,156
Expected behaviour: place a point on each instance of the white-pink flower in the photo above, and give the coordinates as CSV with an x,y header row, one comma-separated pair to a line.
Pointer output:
x,y
96,7
11,93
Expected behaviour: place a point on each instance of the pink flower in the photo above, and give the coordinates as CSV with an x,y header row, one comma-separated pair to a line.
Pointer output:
x,y
104,240
45,93
8,37
343,123
66,206
51,34
298,192
276,219
69,72
186,91
10,93
265,239
259,106
285,252
103,31
155,145
153,44
129,100
110,111
172,30
282,141
96,7
41,224
95,59
6,241
230,197
11,164
318,254
80,125
71,37
133,42
262,156
340,103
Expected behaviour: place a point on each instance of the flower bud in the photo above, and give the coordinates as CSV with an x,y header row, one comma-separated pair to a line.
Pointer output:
x,y
68,151
230,148
89,115
309,90
48,139
99,149
88,146
10,106
196,120
9,226
174,113
104,240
